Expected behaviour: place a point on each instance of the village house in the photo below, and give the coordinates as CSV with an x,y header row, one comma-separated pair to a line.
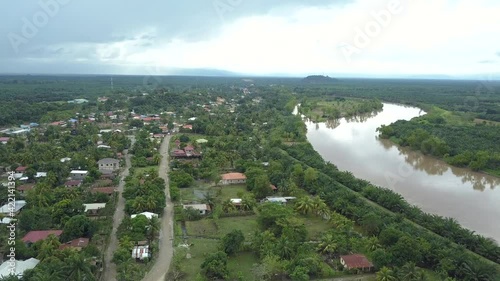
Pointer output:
x,y
23,189
357,262
78,174
19,267
203,209
4,140
233,178
92,209
38,235
7,211
73,183
108,165
141,252
77,244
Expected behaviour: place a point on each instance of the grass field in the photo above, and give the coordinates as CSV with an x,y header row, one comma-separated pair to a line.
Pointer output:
x,y
198,250
315,226
241,266
248,225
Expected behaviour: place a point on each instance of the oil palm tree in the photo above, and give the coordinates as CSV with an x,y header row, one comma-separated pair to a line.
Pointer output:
x,y
78,269
305,205
385,274
328,245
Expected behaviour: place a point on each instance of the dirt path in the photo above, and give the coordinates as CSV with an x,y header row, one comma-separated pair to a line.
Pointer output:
x,y
110,267
162,263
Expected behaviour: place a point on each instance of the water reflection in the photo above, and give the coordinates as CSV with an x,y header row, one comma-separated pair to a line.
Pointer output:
x,y
352,145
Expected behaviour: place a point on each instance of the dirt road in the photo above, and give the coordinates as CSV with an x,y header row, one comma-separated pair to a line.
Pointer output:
x,y
110,267
162,263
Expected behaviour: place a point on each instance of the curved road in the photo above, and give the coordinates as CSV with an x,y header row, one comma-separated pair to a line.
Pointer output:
x,y
109,266
162,263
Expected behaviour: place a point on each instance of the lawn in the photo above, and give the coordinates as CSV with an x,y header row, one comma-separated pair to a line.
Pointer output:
x,y
229,191
202,228
145,170
241,266
315,226
248,225
198,250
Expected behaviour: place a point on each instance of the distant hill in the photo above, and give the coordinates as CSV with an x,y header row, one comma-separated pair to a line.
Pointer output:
x,y
318,79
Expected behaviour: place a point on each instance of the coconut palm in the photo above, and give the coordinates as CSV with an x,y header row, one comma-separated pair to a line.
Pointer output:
x,y
409,272
385,274
248,203
328,245
152,231
228,206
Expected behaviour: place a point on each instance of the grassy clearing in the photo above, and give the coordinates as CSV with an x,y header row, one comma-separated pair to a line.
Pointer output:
x,y
247,225
241,266
315,226
199,249
145,170
202,228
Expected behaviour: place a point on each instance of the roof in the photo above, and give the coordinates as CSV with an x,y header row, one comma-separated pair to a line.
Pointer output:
x,y
20,267
105,190
273,187
148,215
75,243
234,176
236,200
276,199
2,139
94,206
189,147
40,174
21,169
200,207
356,261
201,141
108,161
37,235
78,172
25,187
18,205
140,252
73,183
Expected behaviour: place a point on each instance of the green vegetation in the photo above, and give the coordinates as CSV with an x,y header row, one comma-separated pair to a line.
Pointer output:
x,y
337,107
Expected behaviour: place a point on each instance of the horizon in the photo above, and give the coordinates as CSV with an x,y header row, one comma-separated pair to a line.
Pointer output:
x,y
338,38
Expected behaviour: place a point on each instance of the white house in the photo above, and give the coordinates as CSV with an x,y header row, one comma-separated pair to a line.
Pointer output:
x,y
148,215
93,208
19,267
78,174
202,208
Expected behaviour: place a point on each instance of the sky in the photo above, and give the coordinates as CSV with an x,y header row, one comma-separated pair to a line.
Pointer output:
x,y
452,38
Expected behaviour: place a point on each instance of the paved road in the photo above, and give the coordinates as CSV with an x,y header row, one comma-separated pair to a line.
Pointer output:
x,y
110,267
162,264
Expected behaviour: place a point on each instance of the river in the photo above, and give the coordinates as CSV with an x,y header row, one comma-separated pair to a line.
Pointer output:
x,y
473,199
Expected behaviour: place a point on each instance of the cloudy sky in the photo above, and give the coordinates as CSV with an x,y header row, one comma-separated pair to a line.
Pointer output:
x,y
258,37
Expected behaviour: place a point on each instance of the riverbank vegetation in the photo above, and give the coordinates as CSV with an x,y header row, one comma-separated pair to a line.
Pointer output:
x,y
320,110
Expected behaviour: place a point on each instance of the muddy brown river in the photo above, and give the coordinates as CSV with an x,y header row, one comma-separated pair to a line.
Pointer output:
x,y
473,199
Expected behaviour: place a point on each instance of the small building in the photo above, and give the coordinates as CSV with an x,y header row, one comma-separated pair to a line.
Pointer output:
x,y
37,235
78,174
73,183
4,140
12,208
236,201
233,178
141,252
41,175
356,261
280,200
23,189
77,244
65,159
92,209
148,215
18,266
21,169
202,208
108,165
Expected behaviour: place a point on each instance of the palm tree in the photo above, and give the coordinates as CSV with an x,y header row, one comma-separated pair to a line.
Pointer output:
x,y
304,205
152,231
151,203
157,159
385,274
409,271
285,248
228,206
139,204
248,203
373,244
78,269
209,199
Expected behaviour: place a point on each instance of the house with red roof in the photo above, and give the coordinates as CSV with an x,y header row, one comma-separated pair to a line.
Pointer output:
x,y
73,183
23,189
4,140
233,178
21,169
37,235
356,261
